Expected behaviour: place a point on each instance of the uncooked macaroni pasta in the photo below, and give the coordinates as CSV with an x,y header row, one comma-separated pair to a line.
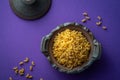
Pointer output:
x,y
71,48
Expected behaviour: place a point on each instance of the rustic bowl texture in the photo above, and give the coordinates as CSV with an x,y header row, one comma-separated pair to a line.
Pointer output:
x,y
47,43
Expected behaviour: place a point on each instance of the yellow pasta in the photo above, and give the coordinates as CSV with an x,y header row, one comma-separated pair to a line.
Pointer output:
x,y
71,48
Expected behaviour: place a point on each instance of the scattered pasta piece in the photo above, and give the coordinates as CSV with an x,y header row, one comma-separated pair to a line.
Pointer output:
x,y
85,14
30,77
16,71
87,18
21,63
99,18
27,75
21,72
83,20
26,60
31,68
104,28
15,68
33,63
98,23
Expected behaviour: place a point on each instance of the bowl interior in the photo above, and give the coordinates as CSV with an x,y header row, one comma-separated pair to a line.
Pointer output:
x,y
71,27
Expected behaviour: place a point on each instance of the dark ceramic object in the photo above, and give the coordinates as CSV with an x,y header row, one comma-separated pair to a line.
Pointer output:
x,y
30,9
47,43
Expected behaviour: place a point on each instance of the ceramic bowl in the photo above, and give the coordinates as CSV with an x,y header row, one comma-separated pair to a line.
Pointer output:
x,y
47,43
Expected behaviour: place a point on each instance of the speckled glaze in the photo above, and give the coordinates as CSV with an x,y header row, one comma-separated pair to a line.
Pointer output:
x,y
95,54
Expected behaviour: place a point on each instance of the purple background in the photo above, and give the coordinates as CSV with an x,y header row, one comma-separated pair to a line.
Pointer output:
x,y
20,39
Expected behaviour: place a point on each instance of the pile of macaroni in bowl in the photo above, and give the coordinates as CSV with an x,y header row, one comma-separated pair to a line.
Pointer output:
x,y
71,48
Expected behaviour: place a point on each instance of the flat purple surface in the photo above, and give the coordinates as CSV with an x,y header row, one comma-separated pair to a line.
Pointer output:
x,y
20,39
